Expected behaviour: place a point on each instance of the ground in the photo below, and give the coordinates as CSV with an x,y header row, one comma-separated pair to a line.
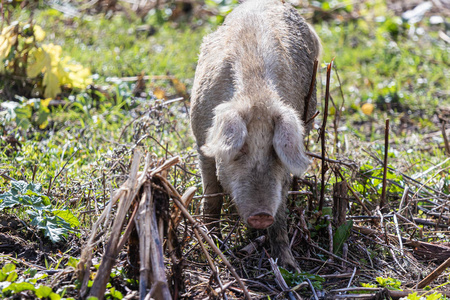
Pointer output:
x,y
63,155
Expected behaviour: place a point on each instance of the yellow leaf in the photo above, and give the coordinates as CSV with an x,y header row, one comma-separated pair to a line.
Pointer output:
x,y
52,71
43,125
76,76
367,108
46,102
5,47
332,111
179,86
51,83
39,33
57,71
11,28
13,39
40,62
6,41
159,93
60,70
54,51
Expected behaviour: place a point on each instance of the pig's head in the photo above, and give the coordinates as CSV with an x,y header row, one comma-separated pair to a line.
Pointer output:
x,y
256,148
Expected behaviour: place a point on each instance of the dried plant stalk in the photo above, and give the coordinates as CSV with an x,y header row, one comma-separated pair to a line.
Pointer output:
x,y
100,281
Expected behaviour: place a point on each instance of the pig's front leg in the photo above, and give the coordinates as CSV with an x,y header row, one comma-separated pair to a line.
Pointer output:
x,y
211,205
279,241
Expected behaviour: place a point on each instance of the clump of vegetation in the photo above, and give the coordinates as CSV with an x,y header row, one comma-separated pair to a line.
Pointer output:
x,y
31,69
28,284
55,222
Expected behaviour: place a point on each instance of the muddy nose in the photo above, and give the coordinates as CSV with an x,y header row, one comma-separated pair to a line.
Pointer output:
x,y
260,221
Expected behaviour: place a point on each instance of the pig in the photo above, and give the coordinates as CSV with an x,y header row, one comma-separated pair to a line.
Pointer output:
x,y
249,91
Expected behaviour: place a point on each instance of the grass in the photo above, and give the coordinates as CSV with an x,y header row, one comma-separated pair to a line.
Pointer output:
x,y
115,47
379,59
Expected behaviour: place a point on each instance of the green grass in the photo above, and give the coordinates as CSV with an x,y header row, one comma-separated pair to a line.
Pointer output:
x,y
89,141
114,47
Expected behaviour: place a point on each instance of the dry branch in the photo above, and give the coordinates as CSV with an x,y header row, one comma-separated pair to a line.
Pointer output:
x,y
433,275
422,250
446,143
354,193
151,252
83,267
186,200
386,149
335,256
128,230
152,269
349,165
310,91
99,286
322,136
340,202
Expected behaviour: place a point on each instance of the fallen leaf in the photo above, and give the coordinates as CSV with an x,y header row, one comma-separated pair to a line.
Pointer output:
x,y
159,93
179,86
367,108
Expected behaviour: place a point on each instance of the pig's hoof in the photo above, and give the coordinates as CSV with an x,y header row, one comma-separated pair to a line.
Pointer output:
x,y
260,221
289,264
286,259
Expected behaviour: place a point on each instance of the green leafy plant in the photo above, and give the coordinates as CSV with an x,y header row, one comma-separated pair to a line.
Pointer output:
x,y
11,284
341,235
434,296
26,112
56,223
113,294
293,279
368,285
389,282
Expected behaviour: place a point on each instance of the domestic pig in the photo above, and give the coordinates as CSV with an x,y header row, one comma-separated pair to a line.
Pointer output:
x,y
252,77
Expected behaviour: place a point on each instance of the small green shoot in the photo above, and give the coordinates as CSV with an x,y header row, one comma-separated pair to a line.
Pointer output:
x,y
293,279
341,235
389,282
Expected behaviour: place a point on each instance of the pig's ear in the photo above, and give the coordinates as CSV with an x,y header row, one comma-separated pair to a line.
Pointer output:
x,y
227,135
288,142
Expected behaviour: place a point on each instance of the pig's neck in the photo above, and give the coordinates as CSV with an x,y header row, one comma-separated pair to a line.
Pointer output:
x,y
255,75
255,89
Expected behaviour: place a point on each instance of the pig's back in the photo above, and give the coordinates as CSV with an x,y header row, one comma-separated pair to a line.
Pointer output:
x,y
260,40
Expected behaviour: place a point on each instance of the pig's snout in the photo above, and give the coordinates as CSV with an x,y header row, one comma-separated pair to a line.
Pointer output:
x,y
260,220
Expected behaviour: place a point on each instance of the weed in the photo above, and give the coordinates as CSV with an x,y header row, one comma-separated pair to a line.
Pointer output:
x,y
55,223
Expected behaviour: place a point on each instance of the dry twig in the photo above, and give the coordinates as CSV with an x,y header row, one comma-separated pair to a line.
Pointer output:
x,y
386,149
322,136
433,275
446,143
